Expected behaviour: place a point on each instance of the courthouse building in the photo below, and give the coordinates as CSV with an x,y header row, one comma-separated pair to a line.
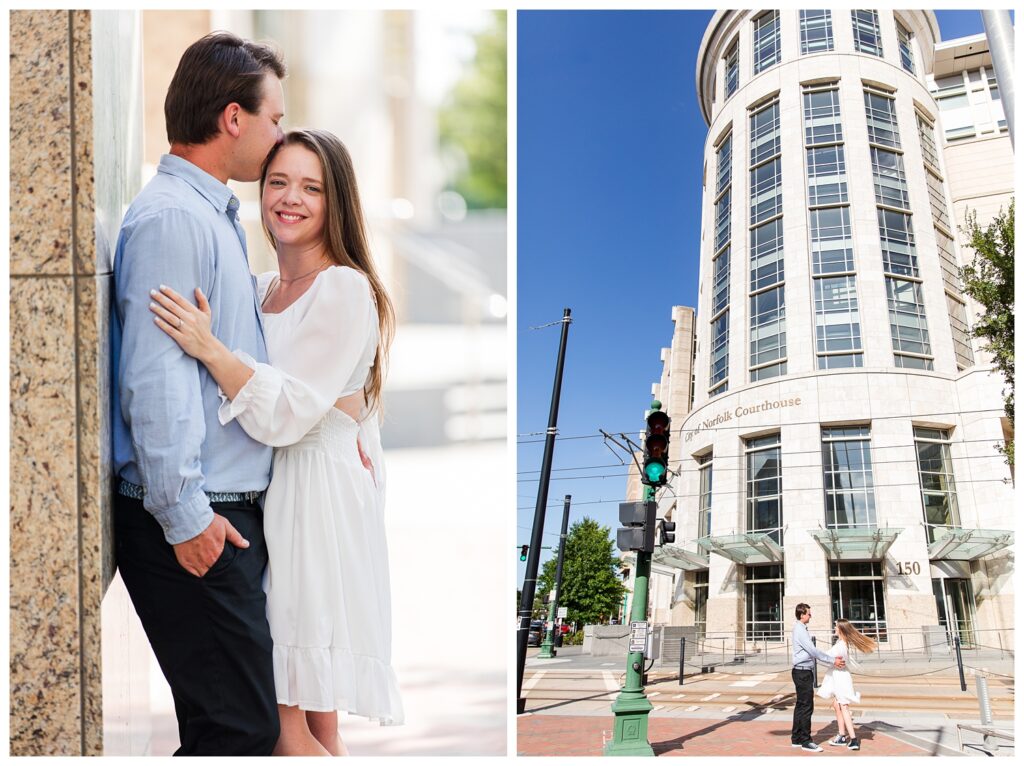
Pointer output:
x,y
840,446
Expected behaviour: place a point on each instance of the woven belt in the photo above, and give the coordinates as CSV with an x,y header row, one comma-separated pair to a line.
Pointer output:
x,y
136,492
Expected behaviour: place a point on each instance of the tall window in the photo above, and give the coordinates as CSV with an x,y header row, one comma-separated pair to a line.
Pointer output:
x,y
906,48
826,175
704,512
846,464
821,115
764,485
837,323
907,324
961,332
859,596
732,68
815,31
955,306
720,296
867,36
890,178
935,475
719,372
767,297
766,265
767,48
700,602
766,191
883,128
926,132
831,240
897,235
720,354
837,318
764,589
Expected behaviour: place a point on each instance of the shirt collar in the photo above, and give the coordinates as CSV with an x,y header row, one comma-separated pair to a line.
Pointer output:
x,y
216,193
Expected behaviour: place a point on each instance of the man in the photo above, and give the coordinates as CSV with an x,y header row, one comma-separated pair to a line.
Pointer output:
x,y
804,655
188,520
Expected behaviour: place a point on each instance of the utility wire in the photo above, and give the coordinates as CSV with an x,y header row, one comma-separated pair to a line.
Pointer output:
x,y
743,491
719,469
746,427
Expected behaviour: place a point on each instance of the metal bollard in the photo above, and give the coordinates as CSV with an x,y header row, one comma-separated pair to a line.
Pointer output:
x,y
682,658
903,652
984,703
764,646
960,663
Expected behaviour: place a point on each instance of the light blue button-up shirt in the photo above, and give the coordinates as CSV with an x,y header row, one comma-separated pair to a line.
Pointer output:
x,y
181,231
804,651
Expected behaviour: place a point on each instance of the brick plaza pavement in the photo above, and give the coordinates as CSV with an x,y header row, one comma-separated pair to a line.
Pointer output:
x,y
585,736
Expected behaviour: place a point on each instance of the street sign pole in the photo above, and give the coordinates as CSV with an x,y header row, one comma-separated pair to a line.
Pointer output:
x,y
547,650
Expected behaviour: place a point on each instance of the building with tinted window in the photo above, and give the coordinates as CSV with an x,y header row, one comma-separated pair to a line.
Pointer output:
x,y
842,446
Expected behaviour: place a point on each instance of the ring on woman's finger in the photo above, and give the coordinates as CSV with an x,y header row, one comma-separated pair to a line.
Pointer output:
x,y
179,323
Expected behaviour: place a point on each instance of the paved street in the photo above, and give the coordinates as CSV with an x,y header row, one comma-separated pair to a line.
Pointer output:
x,y
910,710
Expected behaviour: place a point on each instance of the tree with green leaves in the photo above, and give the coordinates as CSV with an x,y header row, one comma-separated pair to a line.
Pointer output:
x,y
473,122
591,588
988,279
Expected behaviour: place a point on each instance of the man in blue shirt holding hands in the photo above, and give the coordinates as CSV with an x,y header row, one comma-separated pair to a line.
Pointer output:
x,y
804,655
188,519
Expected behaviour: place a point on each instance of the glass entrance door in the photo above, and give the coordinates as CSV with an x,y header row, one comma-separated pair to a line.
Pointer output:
x,y
955,603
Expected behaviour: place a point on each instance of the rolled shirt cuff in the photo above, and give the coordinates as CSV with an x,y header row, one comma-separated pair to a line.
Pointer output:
x,y
185,520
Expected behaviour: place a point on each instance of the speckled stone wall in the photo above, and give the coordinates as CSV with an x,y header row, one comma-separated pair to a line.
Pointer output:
x,y
75,128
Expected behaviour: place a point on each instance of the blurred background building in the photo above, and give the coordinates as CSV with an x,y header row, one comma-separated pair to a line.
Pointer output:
x,y
419,99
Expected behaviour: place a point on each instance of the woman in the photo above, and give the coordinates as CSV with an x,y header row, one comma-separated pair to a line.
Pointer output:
x,y
328,324
838,684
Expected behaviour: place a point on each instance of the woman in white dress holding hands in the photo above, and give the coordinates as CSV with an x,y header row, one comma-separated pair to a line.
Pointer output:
x,y
328,323
838,684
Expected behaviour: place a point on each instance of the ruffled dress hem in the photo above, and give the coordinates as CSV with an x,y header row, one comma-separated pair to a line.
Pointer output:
x,y
324,680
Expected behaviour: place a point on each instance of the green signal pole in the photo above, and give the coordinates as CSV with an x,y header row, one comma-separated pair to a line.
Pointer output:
x,y
632,706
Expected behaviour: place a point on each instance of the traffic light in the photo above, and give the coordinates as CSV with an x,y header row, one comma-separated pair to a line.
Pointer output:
x,y
655,471
668,531
523,551
638,519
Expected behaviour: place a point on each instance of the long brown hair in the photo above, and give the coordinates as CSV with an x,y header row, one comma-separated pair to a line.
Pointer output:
x,y
345,234
854,637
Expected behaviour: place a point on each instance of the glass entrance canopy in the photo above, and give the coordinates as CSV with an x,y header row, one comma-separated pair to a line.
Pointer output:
x,y
676,557
855,544
744,548
953,544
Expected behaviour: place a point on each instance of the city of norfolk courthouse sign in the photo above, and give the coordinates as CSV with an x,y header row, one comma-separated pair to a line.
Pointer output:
x,y
741,411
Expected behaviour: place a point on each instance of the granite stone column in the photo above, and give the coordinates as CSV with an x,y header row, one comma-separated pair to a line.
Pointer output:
x,y
74,165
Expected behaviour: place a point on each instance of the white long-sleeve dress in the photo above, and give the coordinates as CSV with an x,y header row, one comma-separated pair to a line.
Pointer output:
x,y
327,583
839,683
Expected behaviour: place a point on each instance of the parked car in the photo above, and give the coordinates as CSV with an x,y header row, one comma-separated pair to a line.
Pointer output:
x,y
536,634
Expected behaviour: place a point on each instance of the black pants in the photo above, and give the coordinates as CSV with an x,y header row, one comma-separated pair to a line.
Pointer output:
x,y
804,682
210,634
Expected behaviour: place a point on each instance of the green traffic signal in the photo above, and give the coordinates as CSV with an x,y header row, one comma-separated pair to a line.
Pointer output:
x,y
523,551
655,472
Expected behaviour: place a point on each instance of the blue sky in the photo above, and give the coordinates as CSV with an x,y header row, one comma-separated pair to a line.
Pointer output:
x,y
610,148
